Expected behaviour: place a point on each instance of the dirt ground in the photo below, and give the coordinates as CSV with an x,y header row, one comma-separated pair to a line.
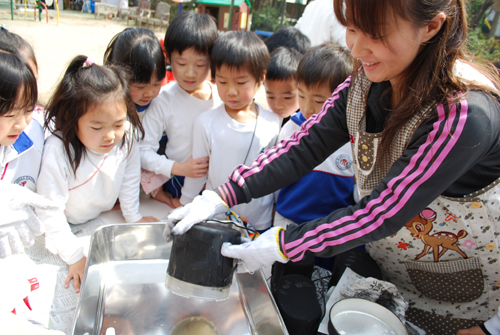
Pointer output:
x,y
77,34
55,46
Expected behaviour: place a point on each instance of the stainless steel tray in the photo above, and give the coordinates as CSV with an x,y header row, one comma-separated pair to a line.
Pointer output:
x,y
124,288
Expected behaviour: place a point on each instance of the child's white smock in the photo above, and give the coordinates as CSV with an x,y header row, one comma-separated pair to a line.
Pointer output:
x,y
226,142
99,181
173,112
20,162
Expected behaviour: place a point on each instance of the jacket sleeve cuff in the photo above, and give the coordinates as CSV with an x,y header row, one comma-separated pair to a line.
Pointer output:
x,y
166,168
185,199
131,218
75,257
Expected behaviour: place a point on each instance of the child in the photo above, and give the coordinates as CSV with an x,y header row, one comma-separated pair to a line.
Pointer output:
x,y
322,69
239,130
21,139
139,50
288,37
91,159
281,82
188,41
26,51
424,126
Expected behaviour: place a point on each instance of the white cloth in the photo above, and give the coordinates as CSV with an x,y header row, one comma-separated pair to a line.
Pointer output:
x,y
318,22
18,223
226,142
87,194
172,112
20,162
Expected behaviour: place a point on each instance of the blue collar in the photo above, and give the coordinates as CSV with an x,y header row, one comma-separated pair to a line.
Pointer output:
x,y
141,109
298,118
23,143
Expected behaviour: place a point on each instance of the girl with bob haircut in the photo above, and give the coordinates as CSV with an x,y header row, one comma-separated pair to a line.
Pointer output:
x,y
92,157
139,50
238,130
21,145
423,119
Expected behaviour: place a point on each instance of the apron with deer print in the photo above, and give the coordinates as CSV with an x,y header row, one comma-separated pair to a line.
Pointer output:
x,y
445,260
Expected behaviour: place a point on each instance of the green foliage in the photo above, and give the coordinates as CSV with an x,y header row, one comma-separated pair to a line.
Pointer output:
x,y
266,19
481,46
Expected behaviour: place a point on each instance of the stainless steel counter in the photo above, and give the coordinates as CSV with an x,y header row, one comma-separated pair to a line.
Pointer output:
x,y
124,288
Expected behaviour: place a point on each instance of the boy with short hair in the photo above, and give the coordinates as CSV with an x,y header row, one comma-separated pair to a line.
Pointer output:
x,y
281,82
288,37
188,42
330,185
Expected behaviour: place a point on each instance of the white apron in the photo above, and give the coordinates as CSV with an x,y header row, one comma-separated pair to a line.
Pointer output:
x,y
445,261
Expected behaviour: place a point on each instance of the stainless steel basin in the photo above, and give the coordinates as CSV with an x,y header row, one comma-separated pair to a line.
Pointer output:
x,y
124,288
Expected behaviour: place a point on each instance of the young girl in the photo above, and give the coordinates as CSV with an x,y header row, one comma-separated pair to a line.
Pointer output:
x,y
424,124
140,51
92,157
239,130
20,145
26,51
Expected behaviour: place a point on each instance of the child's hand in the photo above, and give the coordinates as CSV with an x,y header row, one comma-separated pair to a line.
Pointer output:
x,y
176,203
148,219
471,331
194,168
76,271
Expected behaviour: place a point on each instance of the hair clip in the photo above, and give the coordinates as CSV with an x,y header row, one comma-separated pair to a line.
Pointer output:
x,y
88,62
3,26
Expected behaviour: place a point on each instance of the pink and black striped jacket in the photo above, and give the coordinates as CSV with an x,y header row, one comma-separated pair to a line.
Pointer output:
x,y
454,153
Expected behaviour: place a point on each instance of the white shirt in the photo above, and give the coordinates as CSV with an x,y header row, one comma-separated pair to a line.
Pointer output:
x,y
20,162
226,142
172,112
100,180
319,23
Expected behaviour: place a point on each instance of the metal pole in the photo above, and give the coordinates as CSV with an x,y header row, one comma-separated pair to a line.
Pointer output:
x,y
229,25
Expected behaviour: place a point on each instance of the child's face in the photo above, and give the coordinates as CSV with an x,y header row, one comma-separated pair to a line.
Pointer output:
x,y
102,127
312,98
190,69
142,94
282,96
12,125
237,88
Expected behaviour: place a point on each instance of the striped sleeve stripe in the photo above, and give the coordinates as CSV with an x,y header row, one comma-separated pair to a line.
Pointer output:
x,y
230,203
228,195
239,174
443,137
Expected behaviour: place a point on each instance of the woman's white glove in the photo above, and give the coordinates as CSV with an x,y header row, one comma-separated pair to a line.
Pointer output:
x,y
18,223
264,250
203,207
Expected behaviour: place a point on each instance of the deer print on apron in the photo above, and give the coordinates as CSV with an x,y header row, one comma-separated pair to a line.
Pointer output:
x,y
445,261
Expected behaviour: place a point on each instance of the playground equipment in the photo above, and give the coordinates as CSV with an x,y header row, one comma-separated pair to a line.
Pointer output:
x,y
38,6
8,3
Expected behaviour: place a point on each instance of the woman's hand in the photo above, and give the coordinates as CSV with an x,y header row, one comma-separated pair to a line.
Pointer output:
x,y
193,168
471,331
148,219
75,272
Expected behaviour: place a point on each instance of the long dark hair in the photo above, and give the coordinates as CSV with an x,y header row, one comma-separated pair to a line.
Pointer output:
x,y
430,77
139,50
18,88
80,90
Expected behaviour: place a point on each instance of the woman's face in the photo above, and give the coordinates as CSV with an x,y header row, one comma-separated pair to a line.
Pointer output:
x,y
387,60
